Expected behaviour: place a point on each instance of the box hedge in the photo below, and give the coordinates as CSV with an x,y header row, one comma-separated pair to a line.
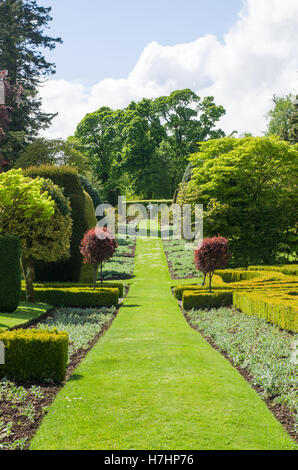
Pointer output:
x,y
10,273
67,285
290,269
272,295
281,309
34,355
77,296
83,216
201,300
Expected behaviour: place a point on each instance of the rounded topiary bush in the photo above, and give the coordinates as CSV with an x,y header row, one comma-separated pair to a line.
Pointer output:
x,y
10,273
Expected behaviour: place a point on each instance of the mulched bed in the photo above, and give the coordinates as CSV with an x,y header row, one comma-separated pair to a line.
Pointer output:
x,y
281,412
22,427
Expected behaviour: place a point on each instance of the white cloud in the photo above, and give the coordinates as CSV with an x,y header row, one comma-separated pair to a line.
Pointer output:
x,y
257,58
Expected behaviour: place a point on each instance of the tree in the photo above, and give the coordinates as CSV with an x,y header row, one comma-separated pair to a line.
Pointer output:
x,y
37,212
97,136
293,132
248,188
7,139
148,141
188,120
280,116
213,253
43,151
98,246
22,26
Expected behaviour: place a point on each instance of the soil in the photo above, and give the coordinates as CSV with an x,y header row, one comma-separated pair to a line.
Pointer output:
x,y
281,412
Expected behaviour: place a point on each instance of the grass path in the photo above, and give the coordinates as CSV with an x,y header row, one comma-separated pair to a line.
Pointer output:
x,y
153,383
23,314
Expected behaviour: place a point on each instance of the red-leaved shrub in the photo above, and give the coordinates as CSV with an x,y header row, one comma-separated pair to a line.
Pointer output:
x,y
213,253
97,246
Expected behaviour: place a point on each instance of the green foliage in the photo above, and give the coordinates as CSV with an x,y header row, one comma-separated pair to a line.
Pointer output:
x,y
22,26
291,269
83,217
93,193
262,349
180,257
248,188
280,116
78,296
293,132
144,147
10,273
34,355
43,151
81,325
279,308
66,285
194,299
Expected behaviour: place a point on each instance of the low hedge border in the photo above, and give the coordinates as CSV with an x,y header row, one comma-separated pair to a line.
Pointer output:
x,y
290,269
278,309
36,355
77,296
202,300
271,295
69,285
260,281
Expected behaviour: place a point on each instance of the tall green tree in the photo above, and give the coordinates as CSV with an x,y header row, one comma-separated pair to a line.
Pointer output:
x,y
22,38
280,117
293,133
248,188
43,151
148,142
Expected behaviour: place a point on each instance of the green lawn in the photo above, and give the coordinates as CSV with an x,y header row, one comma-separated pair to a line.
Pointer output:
x,y
154,383
24,313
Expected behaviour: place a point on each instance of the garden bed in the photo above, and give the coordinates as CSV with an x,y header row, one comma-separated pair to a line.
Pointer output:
x,y
262,354
121,266
180,258
23,406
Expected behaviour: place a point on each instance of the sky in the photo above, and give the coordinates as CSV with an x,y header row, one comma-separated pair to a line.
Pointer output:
x,y
239,51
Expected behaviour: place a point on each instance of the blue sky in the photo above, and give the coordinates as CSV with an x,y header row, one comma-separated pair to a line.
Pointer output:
x,y
104,38
241,52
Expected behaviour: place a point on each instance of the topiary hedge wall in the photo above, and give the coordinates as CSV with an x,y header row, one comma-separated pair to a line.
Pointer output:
x,y
10,273
83,216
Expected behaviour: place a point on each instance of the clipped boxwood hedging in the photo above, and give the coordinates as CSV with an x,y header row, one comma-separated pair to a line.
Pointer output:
x,y
83,216
290,269
77,296
168,202
201,300
67,285
10,273
250,281
34,355
271,295
278,308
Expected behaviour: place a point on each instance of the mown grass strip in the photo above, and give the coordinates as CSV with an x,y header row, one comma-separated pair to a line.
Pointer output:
x,y
23,315
153,383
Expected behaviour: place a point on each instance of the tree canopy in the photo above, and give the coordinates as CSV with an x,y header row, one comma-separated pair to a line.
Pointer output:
x,y
22,38
149,140
248,188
